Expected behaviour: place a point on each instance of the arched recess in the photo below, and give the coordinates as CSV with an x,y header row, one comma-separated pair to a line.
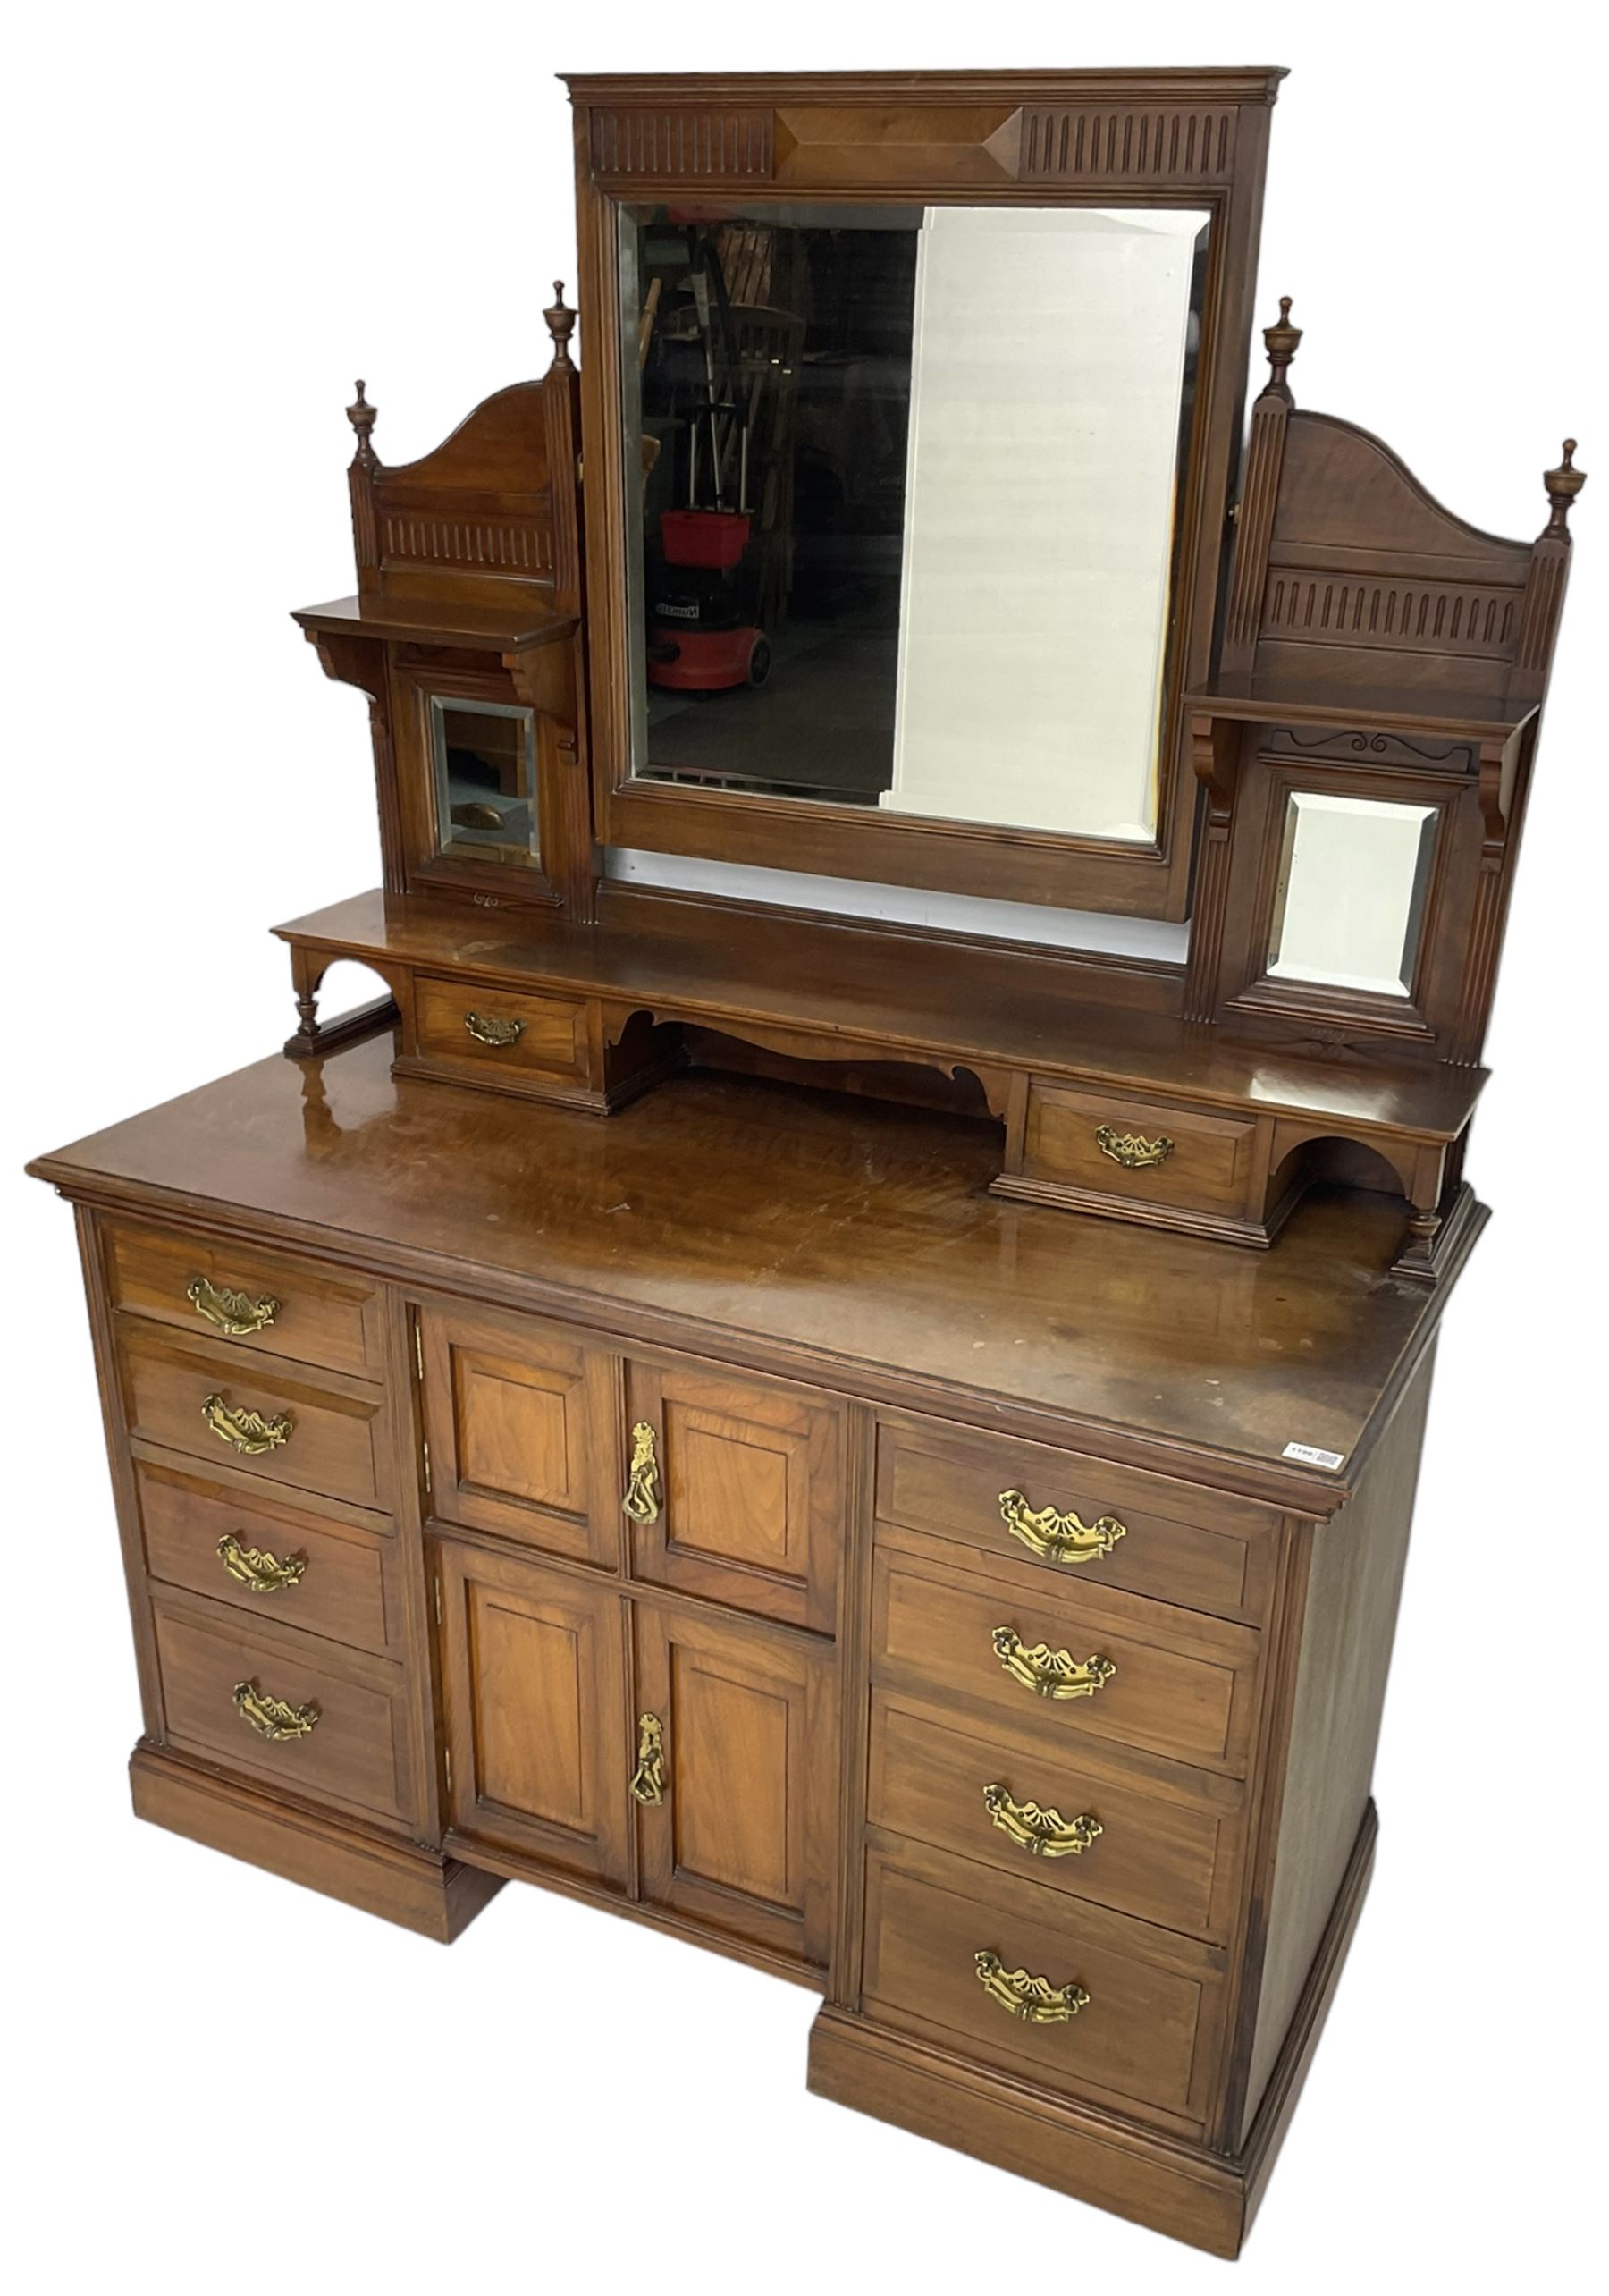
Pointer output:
x,y
1330,1157
311,972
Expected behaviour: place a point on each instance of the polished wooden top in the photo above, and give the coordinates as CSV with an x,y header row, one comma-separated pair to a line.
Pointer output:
x,y
438,621
867,994
847,1242
1285,701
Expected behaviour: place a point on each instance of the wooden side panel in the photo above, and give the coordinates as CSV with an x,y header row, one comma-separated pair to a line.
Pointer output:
x,y
1354,1583
517,1419
752,1493
533,1696
743,1837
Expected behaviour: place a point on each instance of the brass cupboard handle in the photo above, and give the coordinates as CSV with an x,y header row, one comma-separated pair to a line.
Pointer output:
x,y
648,1778
1056,1537
256,1567
1042,1833
641,1501
1053,1674
1133,1150
1034,1999
247,1430
495,1032
270,1718
235,1312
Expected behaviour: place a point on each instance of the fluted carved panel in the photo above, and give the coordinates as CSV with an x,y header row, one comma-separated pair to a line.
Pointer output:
x,y
718,146
499,547
1113,143
1544,599
1430,617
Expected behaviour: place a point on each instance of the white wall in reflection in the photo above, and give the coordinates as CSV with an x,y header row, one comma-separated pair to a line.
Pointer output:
x,y
1048,364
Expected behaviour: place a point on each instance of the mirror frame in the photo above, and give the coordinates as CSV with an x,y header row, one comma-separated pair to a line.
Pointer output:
x,y
1156,139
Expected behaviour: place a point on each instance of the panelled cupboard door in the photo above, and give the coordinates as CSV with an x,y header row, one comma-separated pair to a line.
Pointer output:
x,y
534,1699
740,1838
520,1433
747,1506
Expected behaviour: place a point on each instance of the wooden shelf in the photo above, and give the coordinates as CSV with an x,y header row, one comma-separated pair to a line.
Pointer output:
x,y
1479,719
438,621
850,994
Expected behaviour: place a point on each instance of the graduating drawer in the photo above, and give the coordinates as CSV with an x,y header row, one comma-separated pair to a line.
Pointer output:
x,y
1068,1818
1069,1663
333,1577
313,1719
1147,1150
254,1414
1074,1998
1077,1518
219,1288
499,1030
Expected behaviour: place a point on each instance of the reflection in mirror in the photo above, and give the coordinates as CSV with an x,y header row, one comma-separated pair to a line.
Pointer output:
x,y
902,503
1349,899
484,759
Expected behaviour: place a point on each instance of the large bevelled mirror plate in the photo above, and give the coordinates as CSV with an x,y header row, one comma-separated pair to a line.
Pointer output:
x,y
902,498
1349,899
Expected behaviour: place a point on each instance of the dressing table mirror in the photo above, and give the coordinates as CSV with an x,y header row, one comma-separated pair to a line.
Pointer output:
x,y
836,1364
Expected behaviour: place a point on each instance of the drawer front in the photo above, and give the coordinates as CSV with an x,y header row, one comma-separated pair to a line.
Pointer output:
x,y
1103,1667
1145,2035
520,1425
1140,1149
1081,1521
743,1502
498,1029
230,1291
331,1578
341,1718
1051,1817
247,1413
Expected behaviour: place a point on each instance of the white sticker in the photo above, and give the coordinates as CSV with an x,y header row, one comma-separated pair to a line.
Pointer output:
x,y
1312,1456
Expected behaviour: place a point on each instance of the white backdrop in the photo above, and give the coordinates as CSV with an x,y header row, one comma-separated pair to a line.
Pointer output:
x,y
219,216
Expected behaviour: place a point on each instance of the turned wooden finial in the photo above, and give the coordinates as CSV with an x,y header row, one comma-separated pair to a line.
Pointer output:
x,y
362,417
560,324
1281,341
1563,485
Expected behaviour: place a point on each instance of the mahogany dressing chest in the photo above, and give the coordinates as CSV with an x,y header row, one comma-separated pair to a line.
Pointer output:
x,y
838,1363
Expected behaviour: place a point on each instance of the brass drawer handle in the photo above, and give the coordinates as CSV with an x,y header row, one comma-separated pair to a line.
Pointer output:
x,y
642,1499
1133,1150
270,1718
1034,1999
1042,1833
648,1778
247,1430
1056,1537
256,1567
495,1032
233,1311
1053,1674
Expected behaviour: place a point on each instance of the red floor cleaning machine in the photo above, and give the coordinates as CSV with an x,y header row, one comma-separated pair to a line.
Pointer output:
x,y
704,636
